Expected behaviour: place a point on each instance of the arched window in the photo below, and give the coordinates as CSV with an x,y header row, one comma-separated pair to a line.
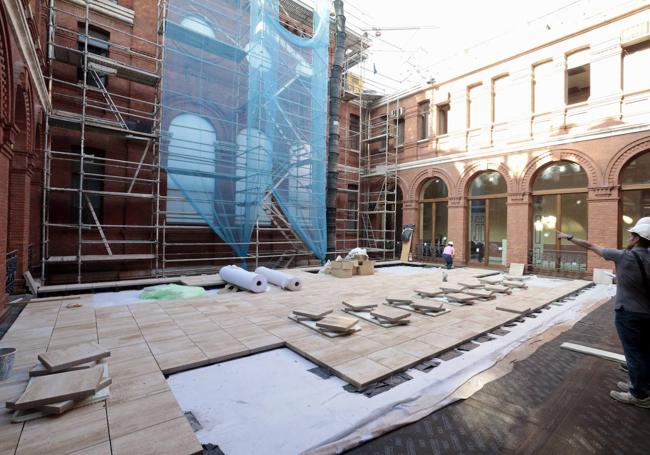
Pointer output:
x,y
199,25
559,203
635,194
191,169
433,219
488,219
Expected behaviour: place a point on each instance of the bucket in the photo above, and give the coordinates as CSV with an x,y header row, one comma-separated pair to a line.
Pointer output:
x,y
7,357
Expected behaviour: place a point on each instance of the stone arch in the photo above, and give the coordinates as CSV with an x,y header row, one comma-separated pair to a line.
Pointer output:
x,y
6,73
180,105
423,177
622,157
402,186
472,171
574,156
23,120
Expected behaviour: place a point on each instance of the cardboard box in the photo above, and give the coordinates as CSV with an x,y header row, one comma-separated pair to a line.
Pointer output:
x,y
343,265
342,269
365,268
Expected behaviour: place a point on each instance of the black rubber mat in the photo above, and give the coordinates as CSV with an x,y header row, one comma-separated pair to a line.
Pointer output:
x,y
554,402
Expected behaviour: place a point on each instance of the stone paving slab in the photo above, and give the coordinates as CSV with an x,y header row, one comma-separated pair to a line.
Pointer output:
x,y
149,340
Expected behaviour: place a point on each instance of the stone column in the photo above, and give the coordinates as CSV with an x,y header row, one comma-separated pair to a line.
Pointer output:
x,y
519,229
457,228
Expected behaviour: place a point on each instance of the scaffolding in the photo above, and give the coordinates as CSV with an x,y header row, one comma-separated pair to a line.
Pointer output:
x,y
382,139
101,154
110,209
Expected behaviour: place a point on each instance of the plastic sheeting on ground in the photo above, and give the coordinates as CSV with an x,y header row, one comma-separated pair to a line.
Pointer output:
x,y
171,292
290,410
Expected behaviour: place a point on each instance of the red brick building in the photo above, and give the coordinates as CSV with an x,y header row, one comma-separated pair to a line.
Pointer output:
x,y
556,136
494,157
23,104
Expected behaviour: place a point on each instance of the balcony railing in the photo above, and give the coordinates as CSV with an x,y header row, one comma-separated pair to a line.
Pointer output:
x,y
428,252
12,266
543,261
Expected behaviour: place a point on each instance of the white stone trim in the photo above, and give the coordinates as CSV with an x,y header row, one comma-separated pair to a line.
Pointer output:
x,y
18,22
108,8
483,154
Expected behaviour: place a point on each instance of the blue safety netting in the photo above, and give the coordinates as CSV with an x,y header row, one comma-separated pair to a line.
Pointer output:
x,y
244,118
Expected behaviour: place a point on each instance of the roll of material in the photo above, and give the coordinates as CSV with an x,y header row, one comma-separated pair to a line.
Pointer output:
x,y
253,282
285,281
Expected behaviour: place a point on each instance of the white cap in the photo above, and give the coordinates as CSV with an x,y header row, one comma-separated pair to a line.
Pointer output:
x,y
450,243
642,229
644,220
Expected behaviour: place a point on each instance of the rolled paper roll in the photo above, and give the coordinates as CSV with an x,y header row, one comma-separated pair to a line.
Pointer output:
x,y
284,280
253,282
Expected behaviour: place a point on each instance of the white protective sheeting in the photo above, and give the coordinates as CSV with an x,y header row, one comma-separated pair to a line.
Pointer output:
x,y
290,410
285,281
244,279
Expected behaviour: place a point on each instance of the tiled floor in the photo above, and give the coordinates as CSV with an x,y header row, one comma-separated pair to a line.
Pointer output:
x,y
152,339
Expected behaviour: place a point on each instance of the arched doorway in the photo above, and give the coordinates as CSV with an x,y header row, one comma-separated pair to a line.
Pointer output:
x,y
635,193
559,203
433,219
488,219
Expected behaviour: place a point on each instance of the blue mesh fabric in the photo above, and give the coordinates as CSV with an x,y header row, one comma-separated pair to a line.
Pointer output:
x,y
244,118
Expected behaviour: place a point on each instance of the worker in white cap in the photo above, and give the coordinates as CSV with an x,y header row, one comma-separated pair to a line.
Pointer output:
x,y
448,254
632,309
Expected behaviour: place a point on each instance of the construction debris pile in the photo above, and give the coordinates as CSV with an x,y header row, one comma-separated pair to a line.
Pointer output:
x,y
64,379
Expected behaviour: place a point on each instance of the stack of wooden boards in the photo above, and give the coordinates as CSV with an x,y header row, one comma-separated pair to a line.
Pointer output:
x,y
467,292
323,321
64,379
367,310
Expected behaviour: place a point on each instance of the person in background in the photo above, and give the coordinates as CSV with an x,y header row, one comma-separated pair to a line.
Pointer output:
x,y
448,254
632,309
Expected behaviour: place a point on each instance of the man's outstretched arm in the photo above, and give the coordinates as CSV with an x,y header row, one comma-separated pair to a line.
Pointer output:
x,y
583,243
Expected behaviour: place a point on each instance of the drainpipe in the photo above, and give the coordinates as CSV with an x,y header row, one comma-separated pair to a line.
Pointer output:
x,y
334,116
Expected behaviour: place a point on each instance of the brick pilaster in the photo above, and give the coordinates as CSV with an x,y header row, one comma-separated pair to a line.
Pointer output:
x,y
457,228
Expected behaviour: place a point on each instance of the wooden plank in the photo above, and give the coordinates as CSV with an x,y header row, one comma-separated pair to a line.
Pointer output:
x,y
515,307
105,285
359,305
327,333
31,282
471,284
451,289
54,299
459,297
62,359
392,300
337,323
59,408
314,313
63,406
516,269
514,284
429,292
480,293
607,355
202,280
53,388
498,288
390,314
40,370
428,306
